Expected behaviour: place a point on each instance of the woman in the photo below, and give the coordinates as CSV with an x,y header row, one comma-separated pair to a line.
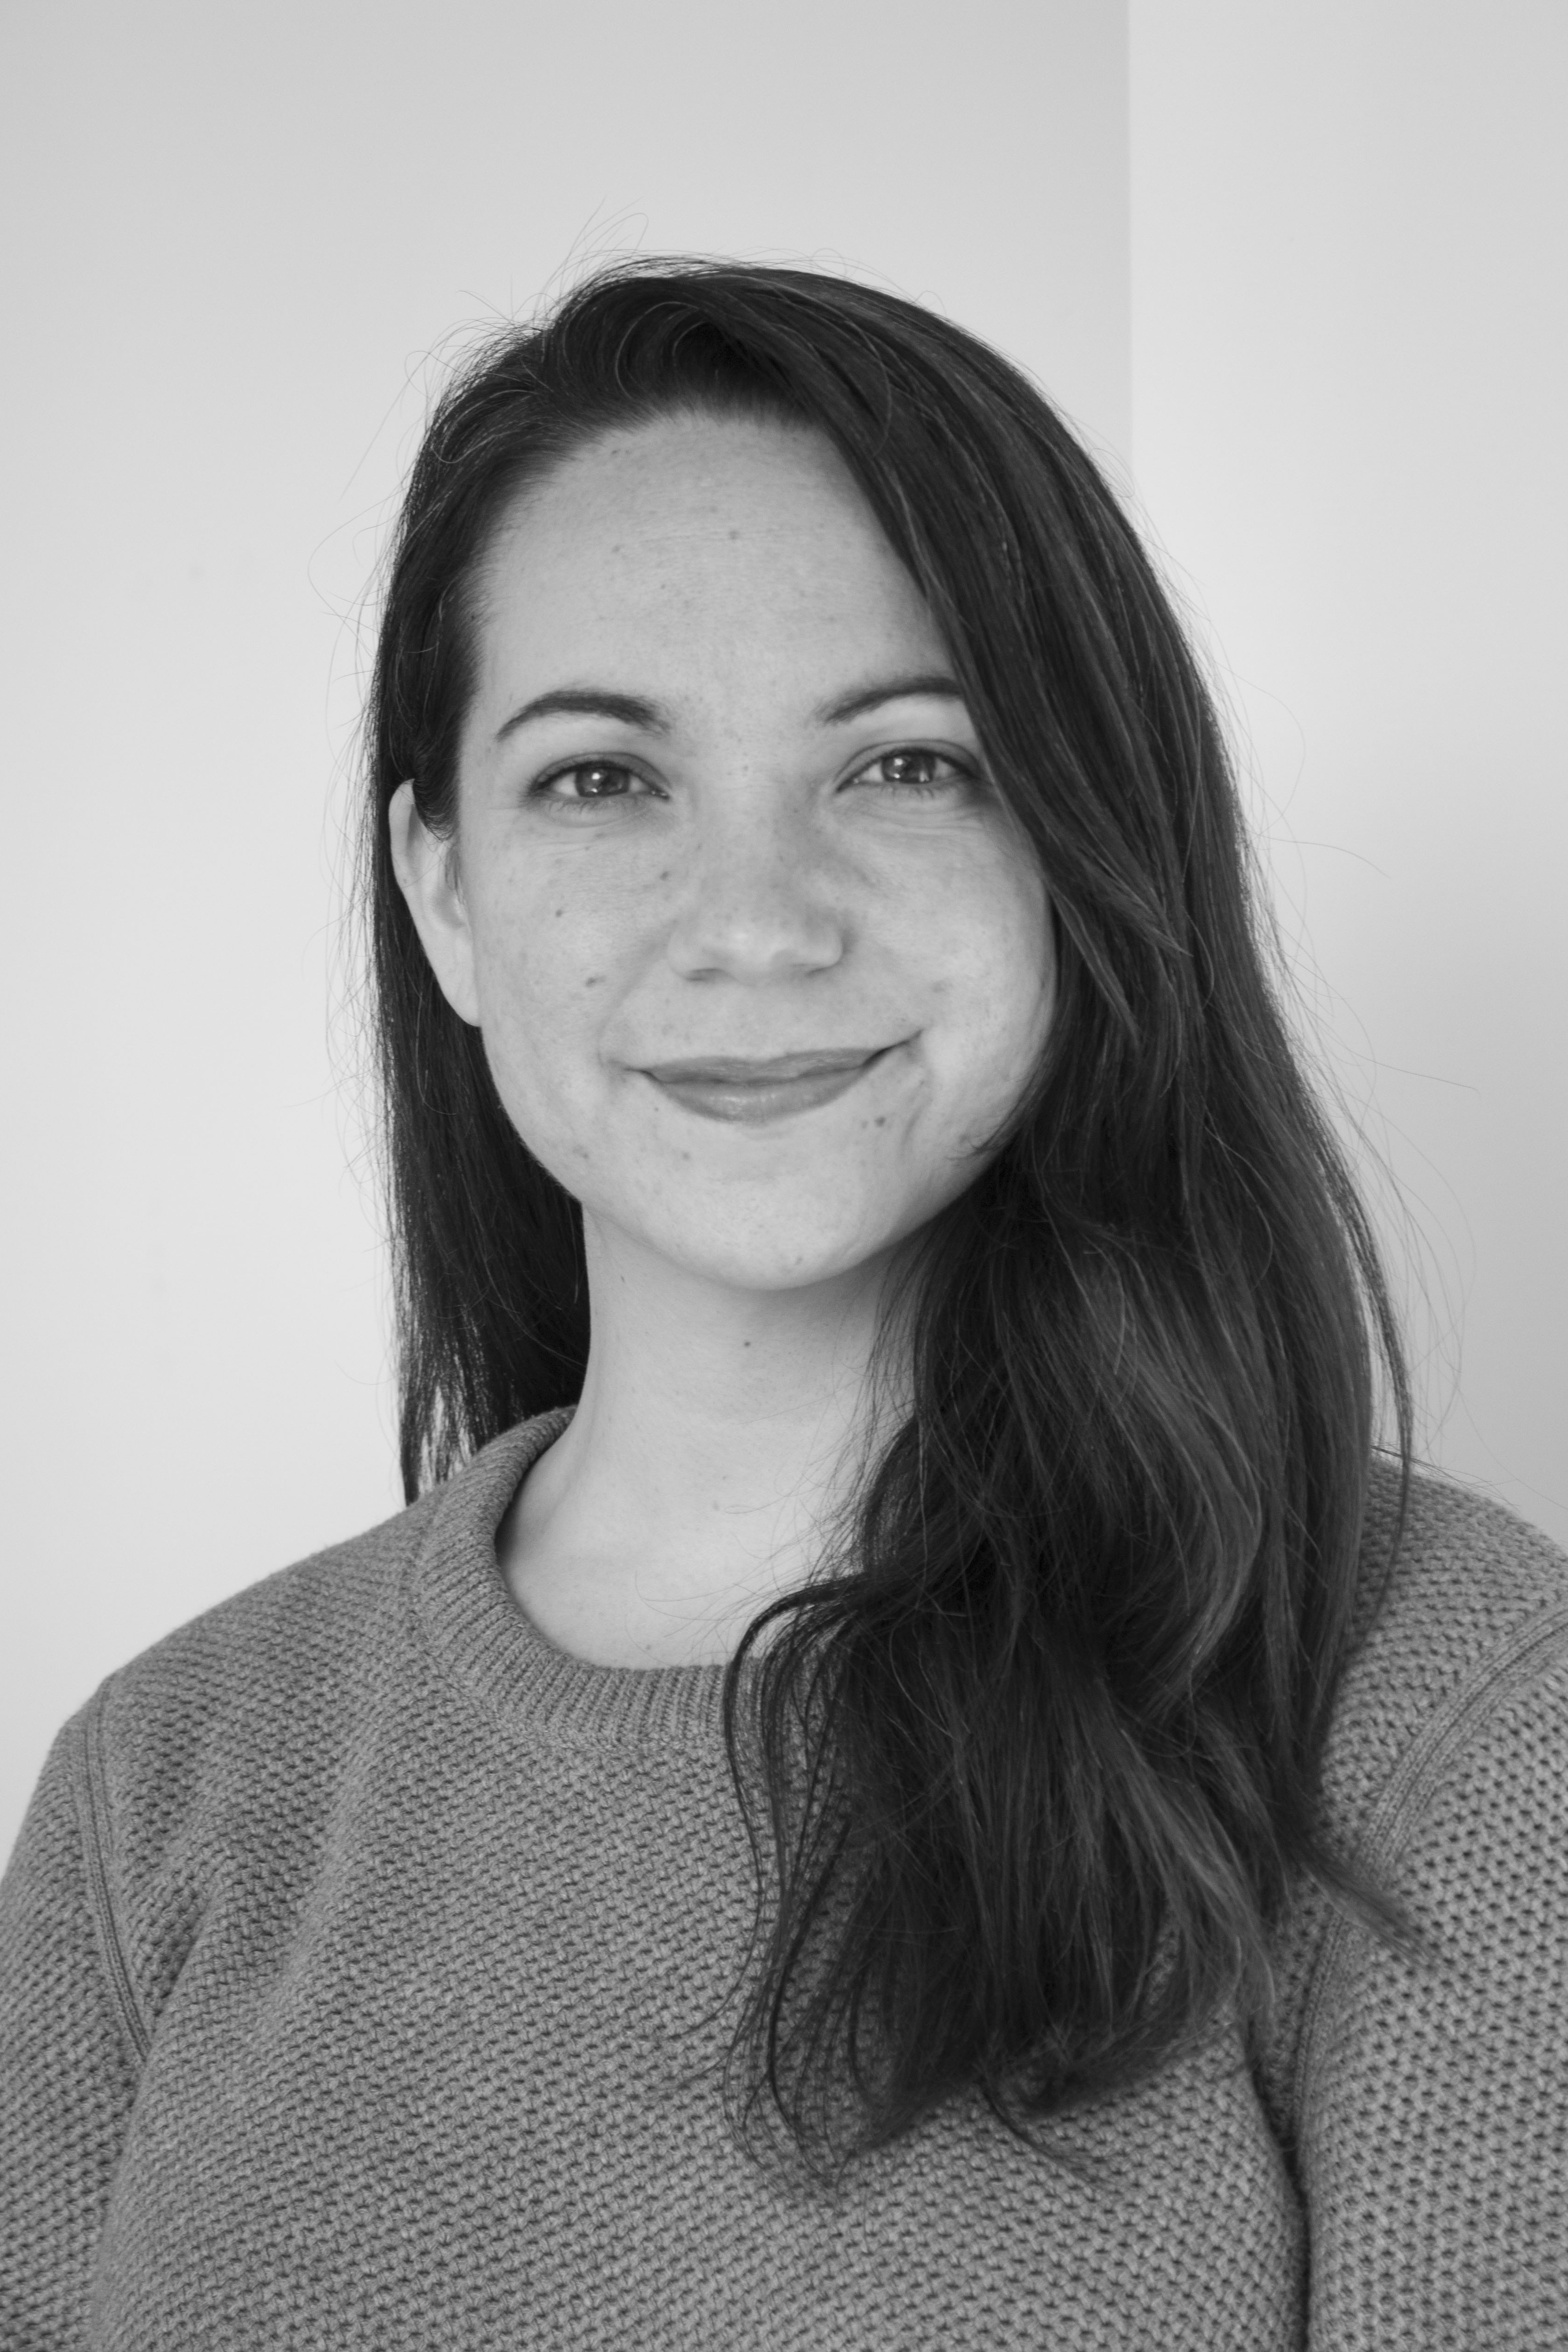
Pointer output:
x,y
913,1773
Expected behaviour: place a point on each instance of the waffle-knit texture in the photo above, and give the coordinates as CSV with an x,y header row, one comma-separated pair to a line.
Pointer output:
x,y
363,1955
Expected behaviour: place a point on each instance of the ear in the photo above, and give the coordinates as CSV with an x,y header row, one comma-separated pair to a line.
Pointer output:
x,y
427,870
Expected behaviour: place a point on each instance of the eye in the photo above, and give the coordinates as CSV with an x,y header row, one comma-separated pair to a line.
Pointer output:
x,y
917,769
586,782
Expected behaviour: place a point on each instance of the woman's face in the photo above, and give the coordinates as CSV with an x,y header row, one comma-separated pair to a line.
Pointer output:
x,y
759,959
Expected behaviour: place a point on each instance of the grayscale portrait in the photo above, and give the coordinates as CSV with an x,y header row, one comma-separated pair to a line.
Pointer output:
x,y
786,1238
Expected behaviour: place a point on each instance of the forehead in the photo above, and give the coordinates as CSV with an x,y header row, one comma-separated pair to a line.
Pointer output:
x,y
696,536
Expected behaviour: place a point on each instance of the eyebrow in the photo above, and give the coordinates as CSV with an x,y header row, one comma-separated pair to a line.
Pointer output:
x,y
925,684
588,702
636,710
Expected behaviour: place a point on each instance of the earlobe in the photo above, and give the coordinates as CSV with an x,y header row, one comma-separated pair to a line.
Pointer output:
x,y
427,876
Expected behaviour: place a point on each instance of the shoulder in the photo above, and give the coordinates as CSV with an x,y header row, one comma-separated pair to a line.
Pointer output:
x,y
1490,1566
1449,1728
1472,1606
211,1759
266,1681
1420,2086
271,1691
216,1766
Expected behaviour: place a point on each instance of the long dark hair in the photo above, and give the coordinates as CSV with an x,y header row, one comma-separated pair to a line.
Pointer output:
x,y
1039,1746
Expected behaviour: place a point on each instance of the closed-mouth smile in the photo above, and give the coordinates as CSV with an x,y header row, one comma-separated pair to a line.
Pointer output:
x,y
725,1086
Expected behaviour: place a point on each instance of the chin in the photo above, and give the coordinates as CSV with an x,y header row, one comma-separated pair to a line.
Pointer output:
x,y
793,1255
784,1254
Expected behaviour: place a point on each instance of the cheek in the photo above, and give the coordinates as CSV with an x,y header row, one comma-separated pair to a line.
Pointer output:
x,y
993,965
543,980
547,943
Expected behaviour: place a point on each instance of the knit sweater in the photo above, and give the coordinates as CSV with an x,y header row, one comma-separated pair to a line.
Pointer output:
x,y
362,1955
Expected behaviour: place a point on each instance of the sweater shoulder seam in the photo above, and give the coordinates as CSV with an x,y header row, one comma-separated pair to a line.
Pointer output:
x,y
90,1787
1527,1653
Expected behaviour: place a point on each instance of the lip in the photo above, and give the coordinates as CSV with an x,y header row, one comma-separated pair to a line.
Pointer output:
x,y
724,1087
730,1069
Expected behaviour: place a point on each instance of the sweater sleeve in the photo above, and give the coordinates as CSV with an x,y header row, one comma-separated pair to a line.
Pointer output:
x,y
68,2076
1434,2092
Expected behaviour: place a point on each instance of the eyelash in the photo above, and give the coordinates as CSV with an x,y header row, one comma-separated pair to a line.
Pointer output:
x,y
963,772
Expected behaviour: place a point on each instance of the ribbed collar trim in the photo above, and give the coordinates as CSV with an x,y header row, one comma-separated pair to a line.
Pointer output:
x,y
497,1652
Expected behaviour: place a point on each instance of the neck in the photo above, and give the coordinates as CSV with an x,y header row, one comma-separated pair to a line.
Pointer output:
x,y
716,1437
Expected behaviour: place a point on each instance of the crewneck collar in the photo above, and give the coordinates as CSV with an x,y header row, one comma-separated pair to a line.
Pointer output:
x,y
496,1651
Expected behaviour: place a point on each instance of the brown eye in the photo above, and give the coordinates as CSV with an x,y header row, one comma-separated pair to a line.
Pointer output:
x,y
589,780
918,769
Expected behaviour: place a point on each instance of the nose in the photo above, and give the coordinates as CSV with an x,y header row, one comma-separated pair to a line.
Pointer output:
x,y
758,903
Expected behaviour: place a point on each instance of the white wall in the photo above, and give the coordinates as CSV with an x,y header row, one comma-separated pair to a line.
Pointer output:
x,y
237,236
1351,430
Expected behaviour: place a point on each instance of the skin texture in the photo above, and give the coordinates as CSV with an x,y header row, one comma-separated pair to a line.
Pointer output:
x,y
748,877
